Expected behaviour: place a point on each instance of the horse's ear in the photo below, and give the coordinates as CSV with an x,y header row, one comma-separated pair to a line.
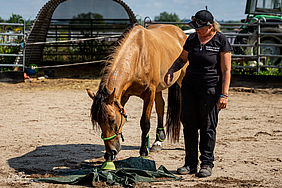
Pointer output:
x,y
90,93
111,98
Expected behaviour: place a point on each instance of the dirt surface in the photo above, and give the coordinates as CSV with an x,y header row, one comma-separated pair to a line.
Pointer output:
x,y
45,125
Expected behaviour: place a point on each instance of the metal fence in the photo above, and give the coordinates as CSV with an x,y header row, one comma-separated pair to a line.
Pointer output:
x,y
231,31
8,39
85,39
256,54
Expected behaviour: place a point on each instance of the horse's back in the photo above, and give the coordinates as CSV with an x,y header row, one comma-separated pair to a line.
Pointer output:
x,y
167,42
173,31
155,49
161,33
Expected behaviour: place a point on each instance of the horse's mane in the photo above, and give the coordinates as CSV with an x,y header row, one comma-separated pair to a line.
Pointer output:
x,y
110,59
98,108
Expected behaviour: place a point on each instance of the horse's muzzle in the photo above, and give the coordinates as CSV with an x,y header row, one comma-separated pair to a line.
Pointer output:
x,y
117,148
112,150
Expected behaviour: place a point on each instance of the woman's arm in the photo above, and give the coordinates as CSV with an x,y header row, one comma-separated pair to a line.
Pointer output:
x,y
225,62
176,66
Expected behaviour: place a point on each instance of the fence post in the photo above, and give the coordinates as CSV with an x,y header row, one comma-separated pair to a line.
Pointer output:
x,y
258,46
24,41
21,52
147,18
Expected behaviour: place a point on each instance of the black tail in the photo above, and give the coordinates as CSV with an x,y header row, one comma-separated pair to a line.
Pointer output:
x,y
173,112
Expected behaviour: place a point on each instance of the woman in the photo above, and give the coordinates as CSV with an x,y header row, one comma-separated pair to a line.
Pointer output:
x,y
204,90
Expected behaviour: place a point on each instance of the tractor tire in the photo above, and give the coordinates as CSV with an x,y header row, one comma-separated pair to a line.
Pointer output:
x,y
268,50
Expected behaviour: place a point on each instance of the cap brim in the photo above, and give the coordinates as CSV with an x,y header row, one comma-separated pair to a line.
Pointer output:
x,y
195,26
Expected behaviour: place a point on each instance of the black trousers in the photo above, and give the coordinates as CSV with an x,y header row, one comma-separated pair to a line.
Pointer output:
x,y
199,112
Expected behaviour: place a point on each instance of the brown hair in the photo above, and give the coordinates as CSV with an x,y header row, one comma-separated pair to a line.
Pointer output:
x,y
216,26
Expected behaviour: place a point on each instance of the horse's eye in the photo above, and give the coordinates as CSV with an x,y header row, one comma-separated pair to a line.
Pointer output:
x,y
111,121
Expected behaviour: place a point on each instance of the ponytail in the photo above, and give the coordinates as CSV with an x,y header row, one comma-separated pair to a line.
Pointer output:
x,y
216,26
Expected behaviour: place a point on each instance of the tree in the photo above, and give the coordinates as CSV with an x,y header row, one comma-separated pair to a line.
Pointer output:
x,y
167,17
85,18
15,18
88,15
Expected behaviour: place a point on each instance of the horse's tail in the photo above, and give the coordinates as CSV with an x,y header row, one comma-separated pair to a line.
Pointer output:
x,y
173,112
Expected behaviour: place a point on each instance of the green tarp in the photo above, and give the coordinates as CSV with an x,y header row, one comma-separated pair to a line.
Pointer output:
x,y
129,172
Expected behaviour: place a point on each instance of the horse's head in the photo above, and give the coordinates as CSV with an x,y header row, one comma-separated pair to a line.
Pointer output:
x,y
109,114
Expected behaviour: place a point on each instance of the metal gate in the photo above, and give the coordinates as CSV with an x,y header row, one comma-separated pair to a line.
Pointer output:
x,y
11,37
229,29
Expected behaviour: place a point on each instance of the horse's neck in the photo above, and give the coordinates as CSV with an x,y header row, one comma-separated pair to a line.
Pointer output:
x,y
119,76
124,64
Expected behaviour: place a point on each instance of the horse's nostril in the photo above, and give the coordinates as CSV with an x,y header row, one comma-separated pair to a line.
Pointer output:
x,y
118,146
114,152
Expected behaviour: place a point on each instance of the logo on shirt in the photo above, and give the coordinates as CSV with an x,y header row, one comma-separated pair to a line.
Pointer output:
x,y
212,48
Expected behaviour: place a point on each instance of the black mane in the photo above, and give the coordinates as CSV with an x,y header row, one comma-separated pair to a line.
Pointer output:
x,y
98,108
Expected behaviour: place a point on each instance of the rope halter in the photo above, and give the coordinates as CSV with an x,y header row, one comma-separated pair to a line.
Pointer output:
x,y
122,114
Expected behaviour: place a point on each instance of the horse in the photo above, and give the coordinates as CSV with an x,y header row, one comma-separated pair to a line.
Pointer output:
x,y
137,68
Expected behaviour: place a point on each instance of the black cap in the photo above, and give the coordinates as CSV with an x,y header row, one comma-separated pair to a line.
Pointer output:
x,y
202,18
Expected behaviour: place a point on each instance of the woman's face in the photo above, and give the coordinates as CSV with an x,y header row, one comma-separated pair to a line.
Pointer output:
x,y
204,31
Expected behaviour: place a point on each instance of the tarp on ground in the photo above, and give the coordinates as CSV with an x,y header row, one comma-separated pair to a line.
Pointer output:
x,y
129,171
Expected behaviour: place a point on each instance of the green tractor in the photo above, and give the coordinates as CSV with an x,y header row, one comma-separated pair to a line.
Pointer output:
x,y
269,13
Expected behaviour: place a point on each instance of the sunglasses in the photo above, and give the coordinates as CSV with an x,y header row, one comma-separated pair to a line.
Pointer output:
x,y
197,23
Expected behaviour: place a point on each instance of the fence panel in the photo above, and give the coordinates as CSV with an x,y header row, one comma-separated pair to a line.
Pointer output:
x,y
11,39
256,55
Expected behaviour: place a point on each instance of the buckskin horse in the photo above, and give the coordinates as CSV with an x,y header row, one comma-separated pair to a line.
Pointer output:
x,y
137,68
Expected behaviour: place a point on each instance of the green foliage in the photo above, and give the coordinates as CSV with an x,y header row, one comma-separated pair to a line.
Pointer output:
x,y
253,70
88,15
271,71
84,20
10,39
171,17
167,17
8,50
28,24
15,18
84,51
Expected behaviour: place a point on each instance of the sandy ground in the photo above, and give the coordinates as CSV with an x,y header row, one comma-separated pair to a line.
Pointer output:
x,y
46,125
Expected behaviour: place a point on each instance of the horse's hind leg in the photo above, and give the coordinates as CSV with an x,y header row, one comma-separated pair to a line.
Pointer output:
x,y
148,98
160,133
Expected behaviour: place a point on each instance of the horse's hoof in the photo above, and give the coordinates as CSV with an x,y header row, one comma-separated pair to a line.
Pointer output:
x,y
156,148
108,165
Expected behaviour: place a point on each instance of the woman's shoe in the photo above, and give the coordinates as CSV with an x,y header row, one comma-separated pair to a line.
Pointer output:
x,y
186,170
205,171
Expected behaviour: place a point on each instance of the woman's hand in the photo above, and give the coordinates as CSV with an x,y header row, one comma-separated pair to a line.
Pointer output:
x,y
176,66
168,77
225,62
222,102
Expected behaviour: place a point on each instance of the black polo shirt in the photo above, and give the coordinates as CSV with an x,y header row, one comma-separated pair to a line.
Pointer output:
x,y
204,60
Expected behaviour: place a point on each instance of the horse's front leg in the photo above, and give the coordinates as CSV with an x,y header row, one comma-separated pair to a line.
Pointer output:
x,y
148,99
160,133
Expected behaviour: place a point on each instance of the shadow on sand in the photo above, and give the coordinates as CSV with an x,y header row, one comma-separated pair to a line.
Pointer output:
x,y
44,159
